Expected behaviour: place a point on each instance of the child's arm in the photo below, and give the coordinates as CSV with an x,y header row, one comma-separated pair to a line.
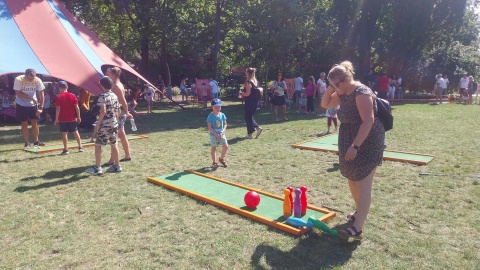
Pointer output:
x,y
209,125
103,111
77,110
57,114
224,127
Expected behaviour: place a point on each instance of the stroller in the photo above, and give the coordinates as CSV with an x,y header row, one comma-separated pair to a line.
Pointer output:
x,y
89,117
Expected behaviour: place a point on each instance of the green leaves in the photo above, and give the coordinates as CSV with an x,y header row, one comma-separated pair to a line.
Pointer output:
x,y
402,36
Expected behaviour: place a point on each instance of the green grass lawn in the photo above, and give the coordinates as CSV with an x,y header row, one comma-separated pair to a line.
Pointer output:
x,y
55,216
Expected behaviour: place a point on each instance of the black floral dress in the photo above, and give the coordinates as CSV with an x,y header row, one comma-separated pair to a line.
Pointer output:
x,y
370,154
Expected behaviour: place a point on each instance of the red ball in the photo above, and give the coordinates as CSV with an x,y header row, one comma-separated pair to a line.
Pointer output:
x,y
251,199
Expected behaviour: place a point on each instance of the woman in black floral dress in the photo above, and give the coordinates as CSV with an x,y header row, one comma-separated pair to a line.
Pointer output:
x,y
360,140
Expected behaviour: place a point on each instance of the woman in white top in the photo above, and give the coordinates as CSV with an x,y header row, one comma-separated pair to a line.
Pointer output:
x,y
279,87
321,87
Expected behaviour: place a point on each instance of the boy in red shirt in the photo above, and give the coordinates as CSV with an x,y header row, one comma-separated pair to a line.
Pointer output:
x,y
68,115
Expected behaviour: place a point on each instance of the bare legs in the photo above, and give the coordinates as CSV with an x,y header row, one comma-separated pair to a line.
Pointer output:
x,y
213,152
362,195
284,110
122,136
125,144
35,130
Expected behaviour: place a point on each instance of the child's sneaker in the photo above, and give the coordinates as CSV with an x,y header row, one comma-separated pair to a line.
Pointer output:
x,y
94,170
80,149
65,152
26,145
115,168
36,144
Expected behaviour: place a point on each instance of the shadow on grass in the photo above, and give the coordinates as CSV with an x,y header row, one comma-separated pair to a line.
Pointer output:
x,y
335,167
34,157
76,174
206,170
314,251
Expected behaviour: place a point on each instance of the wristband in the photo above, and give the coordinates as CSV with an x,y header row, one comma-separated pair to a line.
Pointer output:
x,y
355,147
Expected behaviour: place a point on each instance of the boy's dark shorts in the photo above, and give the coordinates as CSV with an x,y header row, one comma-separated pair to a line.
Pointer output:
x,y
68,126
23,113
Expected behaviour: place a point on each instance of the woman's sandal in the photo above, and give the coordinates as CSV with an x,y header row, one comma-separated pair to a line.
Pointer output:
x,y
214,165
351,217
224,163
352,232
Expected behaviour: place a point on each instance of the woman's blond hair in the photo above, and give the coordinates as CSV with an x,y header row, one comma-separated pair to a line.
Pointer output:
x,y
342,71
251,75
116,71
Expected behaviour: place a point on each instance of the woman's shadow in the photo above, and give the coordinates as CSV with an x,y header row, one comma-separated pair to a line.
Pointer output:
x,y
314,251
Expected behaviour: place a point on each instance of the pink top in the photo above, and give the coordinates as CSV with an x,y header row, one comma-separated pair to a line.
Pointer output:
x,y
310,90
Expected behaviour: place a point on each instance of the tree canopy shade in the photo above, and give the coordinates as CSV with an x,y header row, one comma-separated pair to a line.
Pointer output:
x,y
44,35
200,38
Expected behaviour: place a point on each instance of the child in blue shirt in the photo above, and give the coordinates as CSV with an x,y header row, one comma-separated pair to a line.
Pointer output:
x,y
217,123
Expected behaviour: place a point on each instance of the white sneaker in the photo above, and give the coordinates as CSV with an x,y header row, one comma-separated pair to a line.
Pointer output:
x,y
259,131
94,170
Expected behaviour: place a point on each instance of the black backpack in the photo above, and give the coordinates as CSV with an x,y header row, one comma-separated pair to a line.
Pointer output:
x,y
384,113
255,91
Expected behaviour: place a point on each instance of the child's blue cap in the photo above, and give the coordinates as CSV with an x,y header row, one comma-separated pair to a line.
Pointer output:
x,y
216,102
62,83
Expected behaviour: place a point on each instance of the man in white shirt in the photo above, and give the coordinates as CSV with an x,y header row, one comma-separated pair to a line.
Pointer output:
x,y
441,85
298,89
447,82
321,87
463,84
214,88
28,107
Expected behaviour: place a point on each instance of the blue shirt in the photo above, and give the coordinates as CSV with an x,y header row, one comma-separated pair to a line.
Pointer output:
x,y
217,122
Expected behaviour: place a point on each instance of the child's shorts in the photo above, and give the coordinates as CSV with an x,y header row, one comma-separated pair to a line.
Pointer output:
x,y
106,135
68,126
302,101
215,142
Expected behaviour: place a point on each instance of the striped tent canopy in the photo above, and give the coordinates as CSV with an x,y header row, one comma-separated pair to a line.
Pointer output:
x,y
45,36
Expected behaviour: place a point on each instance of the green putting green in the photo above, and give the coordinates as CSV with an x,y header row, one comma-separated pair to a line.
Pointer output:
x,y
328,143
230,196
72,144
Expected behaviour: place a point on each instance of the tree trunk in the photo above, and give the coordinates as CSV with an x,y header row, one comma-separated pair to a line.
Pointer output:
x,y
166,67
367,30
144,53
216,50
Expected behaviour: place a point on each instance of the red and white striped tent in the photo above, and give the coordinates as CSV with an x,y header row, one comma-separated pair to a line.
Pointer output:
x,y
45,36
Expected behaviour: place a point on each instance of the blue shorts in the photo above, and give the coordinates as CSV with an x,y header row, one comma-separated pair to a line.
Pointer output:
x,y
215,95
68,126
121,121
215,142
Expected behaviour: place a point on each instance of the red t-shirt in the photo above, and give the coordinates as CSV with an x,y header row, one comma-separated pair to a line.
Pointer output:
x,y
383,84
66,101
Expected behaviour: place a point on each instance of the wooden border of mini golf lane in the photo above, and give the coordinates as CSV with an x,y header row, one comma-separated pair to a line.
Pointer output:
x,y
299,146
279,225
74,144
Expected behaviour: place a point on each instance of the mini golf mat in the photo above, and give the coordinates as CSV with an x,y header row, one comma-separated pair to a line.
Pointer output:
x,y
72,144
230,195
328,143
